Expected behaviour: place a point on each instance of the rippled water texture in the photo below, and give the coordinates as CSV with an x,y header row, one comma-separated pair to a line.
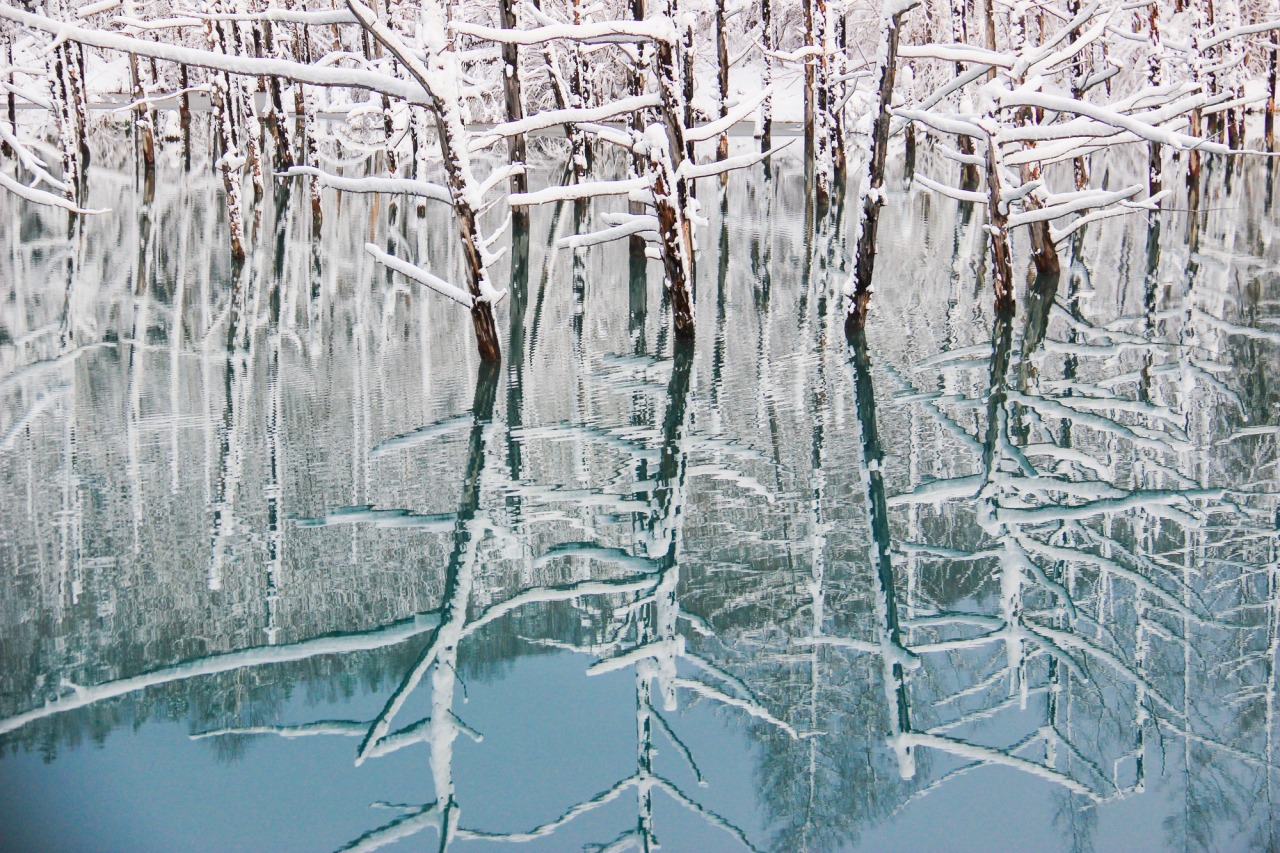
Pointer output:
x,y
283,567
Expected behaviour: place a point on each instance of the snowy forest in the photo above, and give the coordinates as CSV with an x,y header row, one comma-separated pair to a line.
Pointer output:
x,y
865,434
1017,96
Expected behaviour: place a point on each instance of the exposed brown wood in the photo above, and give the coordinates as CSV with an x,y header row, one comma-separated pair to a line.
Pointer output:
x,y
722,63
516,153
766,42
873,195
998,230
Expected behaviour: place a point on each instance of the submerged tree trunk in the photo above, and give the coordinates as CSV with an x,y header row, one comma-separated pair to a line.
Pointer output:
x,y
11,96
998,229
1155,75
871,190
229,161
687,55
1269,122
722,63
1043,252
810,96
1079,70
579,151
463,188
826,138
276,116
635,122
515,109
1199,28
969,177
673,231
766,43
143,121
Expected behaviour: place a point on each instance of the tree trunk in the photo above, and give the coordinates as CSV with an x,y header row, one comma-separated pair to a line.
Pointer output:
x,y
998,229
12,98
184,117
1268,123
1043,252
722,61
457,162
871,192
635,123
279,132
673,231
516,153
810,96
1155,75
766,41
578,147
1079,69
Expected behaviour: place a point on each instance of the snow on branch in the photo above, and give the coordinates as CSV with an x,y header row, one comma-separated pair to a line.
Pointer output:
x,y
398,186
737,114
43,196
957,53
569,115
653,29
313,74
586,189
421,276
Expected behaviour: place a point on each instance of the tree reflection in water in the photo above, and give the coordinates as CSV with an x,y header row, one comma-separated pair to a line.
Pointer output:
x,y
1044,543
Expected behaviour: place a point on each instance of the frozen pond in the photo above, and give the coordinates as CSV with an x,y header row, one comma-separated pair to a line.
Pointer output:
x,y
284,567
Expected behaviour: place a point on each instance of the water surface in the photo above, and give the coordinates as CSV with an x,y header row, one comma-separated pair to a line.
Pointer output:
x,y
284,567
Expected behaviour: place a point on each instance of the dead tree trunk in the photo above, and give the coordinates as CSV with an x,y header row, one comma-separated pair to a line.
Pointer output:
x,y
824,155
228,162
184,117
1155,76
1269,122
687,56
635,122
70,130
1079,71
1043,252
670,193
1199,27
998,229
722,61
810,96
143,115
463,188
516,153
12,97
969,177
766,42
279,132
871,190
578,148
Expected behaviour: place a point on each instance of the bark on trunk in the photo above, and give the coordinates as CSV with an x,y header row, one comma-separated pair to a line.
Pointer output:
x,y
1079,70
810,96
1268,123
722,61
673,231
12,112
872,191
1155,75
998,229
635,123
766,41
515,109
